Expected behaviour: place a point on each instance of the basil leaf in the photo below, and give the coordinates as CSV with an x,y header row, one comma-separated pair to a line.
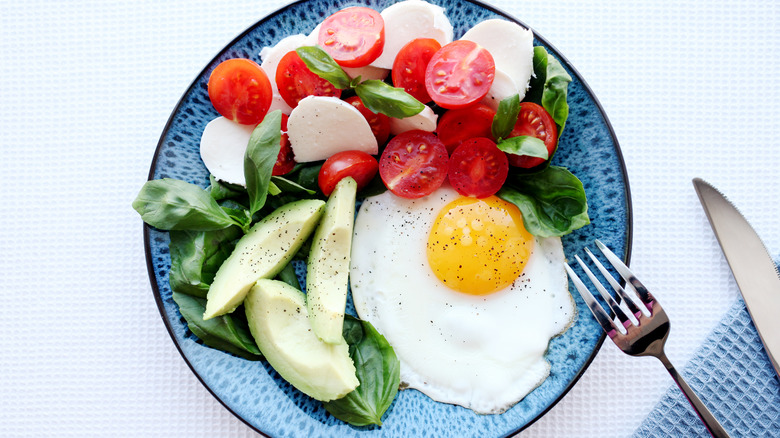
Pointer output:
x,y
220,190
380,97
549,87
524,145
305,175
287,275
506,117
273,189
196,256
553,201
239,214
226,333
536,84
287,186
323,65
378,371
171,204
260,157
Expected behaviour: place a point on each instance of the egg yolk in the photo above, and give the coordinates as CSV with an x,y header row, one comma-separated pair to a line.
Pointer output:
x,y
479,246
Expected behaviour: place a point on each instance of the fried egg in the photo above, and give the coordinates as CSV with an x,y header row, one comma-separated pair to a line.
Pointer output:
x,y
468,299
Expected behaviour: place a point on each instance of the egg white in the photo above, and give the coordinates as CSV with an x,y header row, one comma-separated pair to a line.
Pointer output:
x,y
482,352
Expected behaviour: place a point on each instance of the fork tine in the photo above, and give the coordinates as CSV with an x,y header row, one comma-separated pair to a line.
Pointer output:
x,y
628,276
631,300
613,305
595,308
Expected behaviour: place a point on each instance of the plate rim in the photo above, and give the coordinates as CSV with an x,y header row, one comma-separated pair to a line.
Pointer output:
x,y
618,151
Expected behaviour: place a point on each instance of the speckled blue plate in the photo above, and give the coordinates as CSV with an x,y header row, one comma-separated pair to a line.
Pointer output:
x,y
253,391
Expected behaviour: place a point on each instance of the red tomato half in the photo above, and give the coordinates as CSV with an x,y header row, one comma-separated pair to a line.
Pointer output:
x,y
459,74
410,64
379,123
354,36
478,168
295,81
357,164
536,122
461,124
413,164
240,91
285,161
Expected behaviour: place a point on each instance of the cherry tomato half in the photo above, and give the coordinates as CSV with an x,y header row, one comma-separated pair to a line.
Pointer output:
x,y
240,91
461,124
478,168
295,81
357,164
413,164
410,64
535,121
285,161
459,74
354,36
379,123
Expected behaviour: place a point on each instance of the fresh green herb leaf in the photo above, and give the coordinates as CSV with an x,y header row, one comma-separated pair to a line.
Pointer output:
x,y
238,213
260,157
380,97
524,145
549,87
378,371
355,81
506,117
171,204
323,65
273,189
287,275
226,332
287,186
220,190
553,201
196,256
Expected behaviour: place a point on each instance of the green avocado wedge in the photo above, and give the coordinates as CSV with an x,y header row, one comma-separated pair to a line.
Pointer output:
x,y
327,270
279,322
264,251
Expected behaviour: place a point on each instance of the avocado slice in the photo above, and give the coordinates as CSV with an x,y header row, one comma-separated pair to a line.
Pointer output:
x,y
279,322
327,271
262,253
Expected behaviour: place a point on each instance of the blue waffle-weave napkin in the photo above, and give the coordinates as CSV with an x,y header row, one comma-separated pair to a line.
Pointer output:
x,y
732,374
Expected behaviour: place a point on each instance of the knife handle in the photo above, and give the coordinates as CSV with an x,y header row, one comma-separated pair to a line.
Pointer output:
x,y
710,422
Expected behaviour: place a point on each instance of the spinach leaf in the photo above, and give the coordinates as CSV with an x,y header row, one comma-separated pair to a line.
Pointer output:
x,y
506,117
196,256
226,332
260,157
378,371
171,204
323,65
220,190
524,145
553,201
549,87
380,97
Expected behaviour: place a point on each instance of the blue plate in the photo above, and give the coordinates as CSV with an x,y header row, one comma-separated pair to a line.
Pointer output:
x,y
253,391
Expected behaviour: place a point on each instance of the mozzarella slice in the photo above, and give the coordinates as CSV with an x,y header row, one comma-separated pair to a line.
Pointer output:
x,y
367,72
503,87
409,20
271,57
512,47
222,147
424,120
321,126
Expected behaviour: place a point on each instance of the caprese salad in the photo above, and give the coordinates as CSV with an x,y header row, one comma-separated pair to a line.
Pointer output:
x,y
388,99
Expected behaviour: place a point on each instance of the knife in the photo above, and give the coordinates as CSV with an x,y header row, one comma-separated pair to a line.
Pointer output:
x,y
754,270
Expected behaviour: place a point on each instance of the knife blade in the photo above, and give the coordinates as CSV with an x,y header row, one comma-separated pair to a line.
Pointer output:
x,y
753,268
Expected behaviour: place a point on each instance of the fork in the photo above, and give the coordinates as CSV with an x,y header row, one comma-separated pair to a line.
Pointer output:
x,y
637,325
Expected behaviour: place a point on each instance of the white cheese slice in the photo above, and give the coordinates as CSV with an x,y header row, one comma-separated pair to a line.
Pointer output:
x,y
408,20
424,120
321,126
222,147
270,61
503,87
367,72
512,47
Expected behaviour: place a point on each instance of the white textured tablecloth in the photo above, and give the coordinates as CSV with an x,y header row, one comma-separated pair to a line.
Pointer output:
x,y
692,89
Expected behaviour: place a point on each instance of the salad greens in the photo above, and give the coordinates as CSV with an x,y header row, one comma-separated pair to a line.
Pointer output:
x,y
378,370
549,86
377,96
260,157
505,118
196,256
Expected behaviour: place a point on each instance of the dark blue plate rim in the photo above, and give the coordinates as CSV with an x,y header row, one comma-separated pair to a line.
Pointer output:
x,y
629,210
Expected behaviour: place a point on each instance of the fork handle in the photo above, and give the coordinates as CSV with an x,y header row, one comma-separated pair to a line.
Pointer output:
x,y
712,424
